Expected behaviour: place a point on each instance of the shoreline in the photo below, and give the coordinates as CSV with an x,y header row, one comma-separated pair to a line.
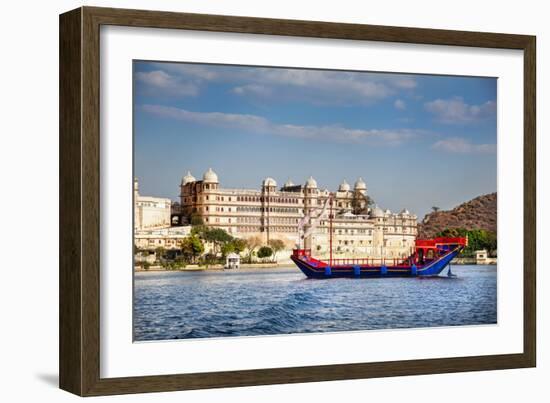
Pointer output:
x,y
217,267
472,262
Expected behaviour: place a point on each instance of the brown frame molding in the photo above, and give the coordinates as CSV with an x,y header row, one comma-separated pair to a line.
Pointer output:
x,y
79,200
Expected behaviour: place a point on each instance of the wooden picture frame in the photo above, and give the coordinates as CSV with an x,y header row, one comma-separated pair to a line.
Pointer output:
x,y
79,346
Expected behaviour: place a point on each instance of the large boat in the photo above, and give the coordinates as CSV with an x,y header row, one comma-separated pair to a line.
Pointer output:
x,y
430,258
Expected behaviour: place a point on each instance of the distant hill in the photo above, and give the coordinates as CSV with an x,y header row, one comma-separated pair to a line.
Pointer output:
x,y
478,213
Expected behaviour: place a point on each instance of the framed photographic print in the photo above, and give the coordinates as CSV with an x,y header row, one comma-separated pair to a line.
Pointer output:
x,y
249,201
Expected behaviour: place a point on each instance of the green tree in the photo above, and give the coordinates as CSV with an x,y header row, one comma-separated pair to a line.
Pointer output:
x,y
478,239
209,259
360,203
218,237
491,243
239,245
276,245
192,247
159,253
435,209
265,252
227,248
252,243
196,220
199,230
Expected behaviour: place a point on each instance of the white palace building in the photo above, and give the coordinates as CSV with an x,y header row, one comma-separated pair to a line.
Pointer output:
x,y
150,212
152,223
273,212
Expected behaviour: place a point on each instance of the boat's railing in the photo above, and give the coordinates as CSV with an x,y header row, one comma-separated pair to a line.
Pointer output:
x,y
380,261
388,262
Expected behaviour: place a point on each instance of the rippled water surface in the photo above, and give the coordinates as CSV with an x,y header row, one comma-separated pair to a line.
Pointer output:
x,y
179,305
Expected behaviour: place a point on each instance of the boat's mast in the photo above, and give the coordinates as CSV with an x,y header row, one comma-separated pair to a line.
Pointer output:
x,y
330,231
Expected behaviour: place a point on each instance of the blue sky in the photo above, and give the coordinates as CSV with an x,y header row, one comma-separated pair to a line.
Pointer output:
x,y
417,140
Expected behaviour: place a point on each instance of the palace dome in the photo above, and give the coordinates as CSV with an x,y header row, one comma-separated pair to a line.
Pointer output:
x,y
311,183
210,176
269,182
360,184
344,187
377,212
405,212
188,178
289,183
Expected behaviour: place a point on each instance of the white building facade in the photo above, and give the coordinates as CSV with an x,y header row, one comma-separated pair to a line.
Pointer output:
x,y
150,212
167,238
275,213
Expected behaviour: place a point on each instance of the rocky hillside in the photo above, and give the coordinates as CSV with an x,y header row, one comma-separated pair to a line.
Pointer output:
x,y
478,213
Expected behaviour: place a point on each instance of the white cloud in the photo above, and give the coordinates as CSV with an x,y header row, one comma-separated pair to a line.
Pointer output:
x,y
255,89
196,71
261,125
404,82
463,146
317,86
400,104
337,82
217,119
160,83
455,110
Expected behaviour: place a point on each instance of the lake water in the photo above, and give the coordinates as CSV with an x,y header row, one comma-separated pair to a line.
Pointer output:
x,y
179,305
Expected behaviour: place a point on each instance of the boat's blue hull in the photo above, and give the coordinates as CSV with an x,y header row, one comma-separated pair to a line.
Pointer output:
x,y
316,269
